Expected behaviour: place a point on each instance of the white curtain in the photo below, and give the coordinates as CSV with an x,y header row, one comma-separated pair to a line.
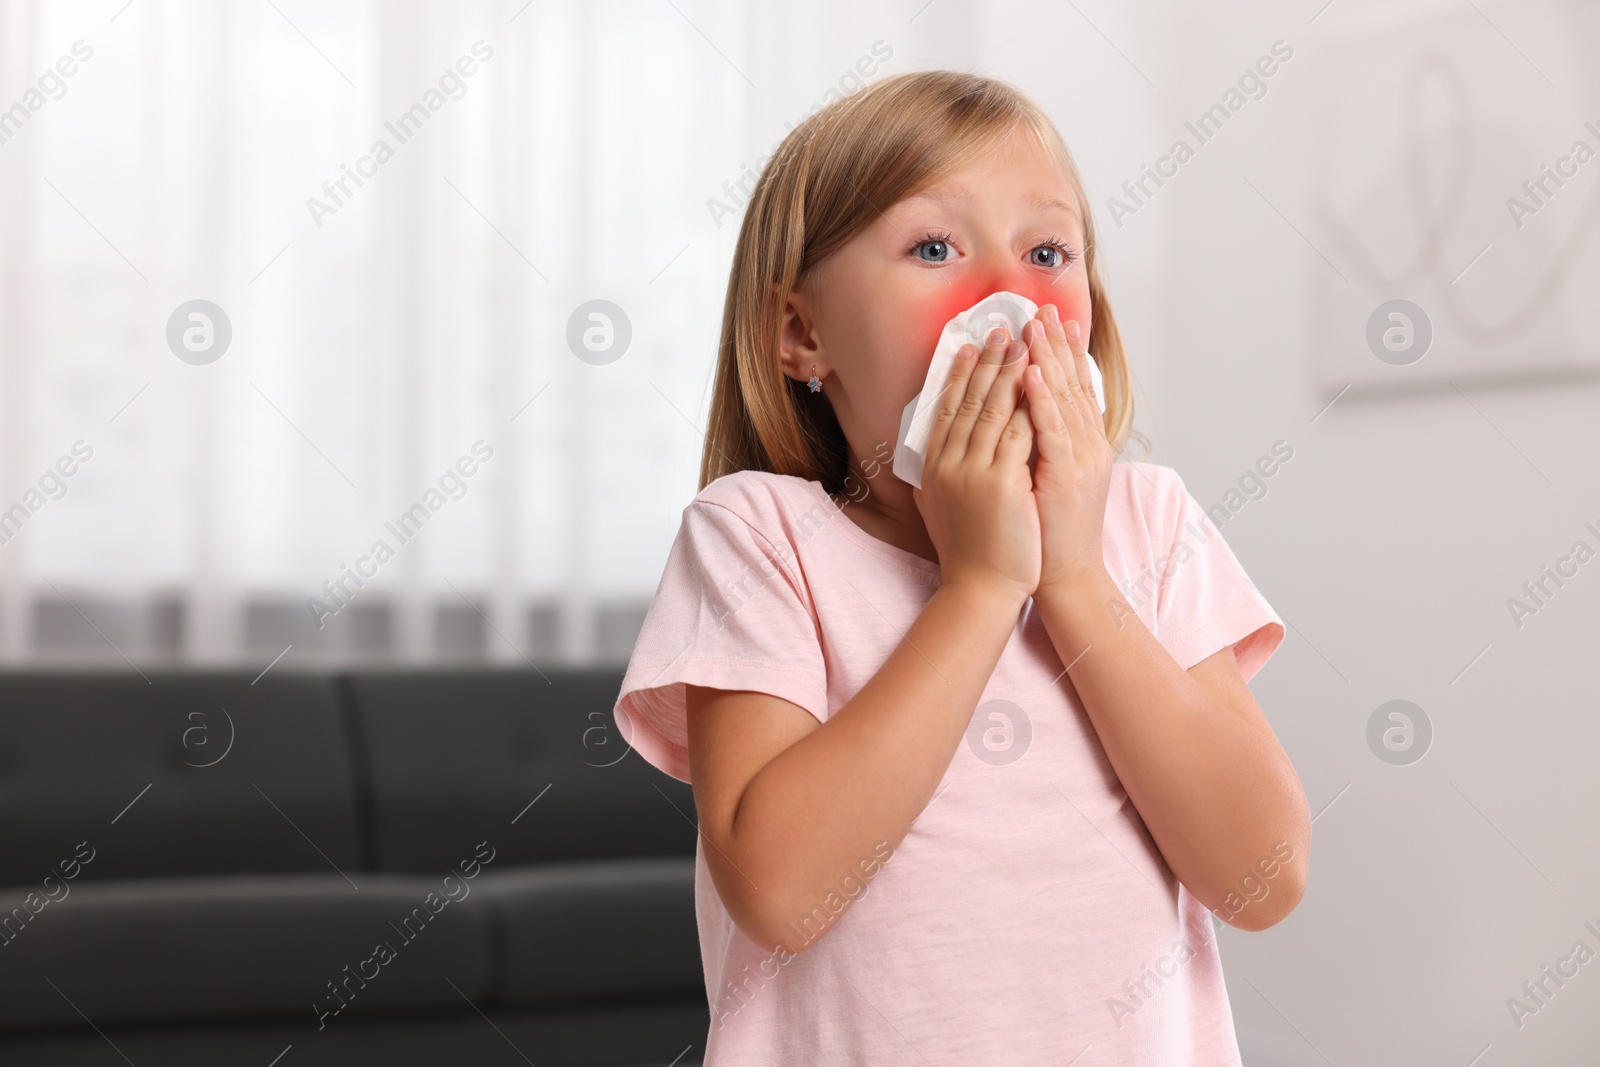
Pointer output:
x,y
390,309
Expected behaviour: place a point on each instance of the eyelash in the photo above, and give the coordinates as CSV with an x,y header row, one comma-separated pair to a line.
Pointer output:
x,y
1068,256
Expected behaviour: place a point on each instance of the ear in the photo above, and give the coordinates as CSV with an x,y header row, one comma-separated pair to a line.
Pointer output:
x,y
799,346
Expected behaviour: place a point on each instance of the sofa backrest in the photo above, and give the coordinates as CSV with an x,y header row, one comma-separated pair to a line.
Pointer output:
x,y
217,772
531,763
174,773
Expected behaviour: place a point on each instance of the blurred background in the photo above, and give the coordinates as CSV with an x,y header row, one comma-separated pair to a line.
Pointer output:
x,y
260,344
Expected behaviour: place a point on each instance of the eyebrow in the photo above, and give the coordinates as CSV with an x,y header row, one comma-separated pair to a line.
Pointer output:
x,y
1044,202
1038,201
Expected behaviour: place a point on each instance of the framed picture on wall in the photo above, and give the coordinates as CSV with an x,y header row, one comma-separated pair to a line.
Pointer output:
x,y
1456,189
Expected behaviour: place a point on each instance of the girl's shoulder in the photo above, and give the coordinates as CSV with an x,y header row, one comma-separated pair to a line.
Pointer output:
x,y
1146,502
759,485
771,503
1150,478
1146,486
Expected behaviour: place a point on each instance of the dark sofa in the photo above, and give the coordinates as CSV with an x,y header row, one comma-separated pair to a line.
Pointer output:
x,y
384,867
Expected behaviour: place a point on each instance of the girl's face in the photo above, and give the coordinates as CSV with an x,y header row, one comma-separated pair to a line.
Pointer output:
x,y
870,315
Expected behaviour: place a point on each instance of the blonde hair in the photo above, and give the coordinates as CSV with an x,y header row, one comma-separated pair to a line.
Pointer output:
x,y
830,178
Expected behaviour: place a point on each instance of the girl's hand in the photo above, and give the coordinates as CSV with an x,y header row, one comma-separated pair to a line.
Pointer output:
x,y
1073,473
976,497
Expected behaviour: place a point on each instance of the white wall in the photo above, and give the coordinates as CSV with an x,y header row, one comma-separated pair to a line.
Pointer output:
x,y
1412,509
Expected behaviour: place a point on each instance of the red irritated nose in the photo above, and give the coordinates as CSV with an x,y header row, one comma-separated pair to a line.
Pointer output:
x,y
964,294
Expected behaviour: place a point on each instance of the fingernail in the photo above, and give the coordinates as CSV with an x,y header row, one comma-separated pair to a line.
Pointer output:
x,y
1016,351
1051,315
997,336
1072,329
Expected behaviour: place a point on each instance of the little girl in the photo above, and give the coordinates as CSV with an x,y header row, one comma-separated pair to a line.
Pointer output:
x,y
972,762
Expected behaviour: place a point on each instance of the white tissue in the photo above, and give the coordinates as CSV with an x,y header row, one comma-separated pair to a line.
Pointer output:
x,y
972,325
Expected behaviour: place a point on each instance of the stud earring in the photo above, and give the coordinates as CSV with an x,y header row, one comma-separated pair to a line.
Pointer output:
x,y
815,384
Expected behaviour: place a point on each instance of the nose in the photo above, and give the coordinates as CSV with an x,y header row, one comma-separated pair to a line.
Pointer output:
x,y
995,269
1007,275
998,278
999,269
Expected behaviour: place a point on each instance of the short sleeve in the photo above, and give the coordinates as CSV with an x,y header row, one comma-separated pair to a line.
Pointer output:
x,y
1206,601
731,612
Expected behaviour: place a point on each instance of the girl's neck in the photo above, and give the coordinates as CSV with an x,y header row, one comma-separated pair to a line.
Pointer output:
x,y
888,511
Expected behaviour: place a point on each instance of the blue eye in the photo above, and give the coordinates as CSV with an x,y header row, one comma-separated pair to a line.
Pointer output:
x,y
937,246
1056,255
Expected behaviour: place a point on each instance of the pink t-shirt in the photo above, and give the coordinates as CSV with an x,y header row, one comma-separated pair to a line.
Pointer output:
x,y
1027,917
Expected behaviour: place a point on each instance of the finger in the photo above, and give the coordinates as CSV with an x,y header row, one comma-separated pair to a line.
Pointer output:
x,y
1050,428
950,399
1004,393
1052,355
1016,438
972,402
1078,345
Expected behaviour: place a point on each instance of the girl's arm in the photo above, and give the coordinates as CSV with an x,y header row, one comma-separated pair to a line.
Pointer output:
x,y
1192,748
792,809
